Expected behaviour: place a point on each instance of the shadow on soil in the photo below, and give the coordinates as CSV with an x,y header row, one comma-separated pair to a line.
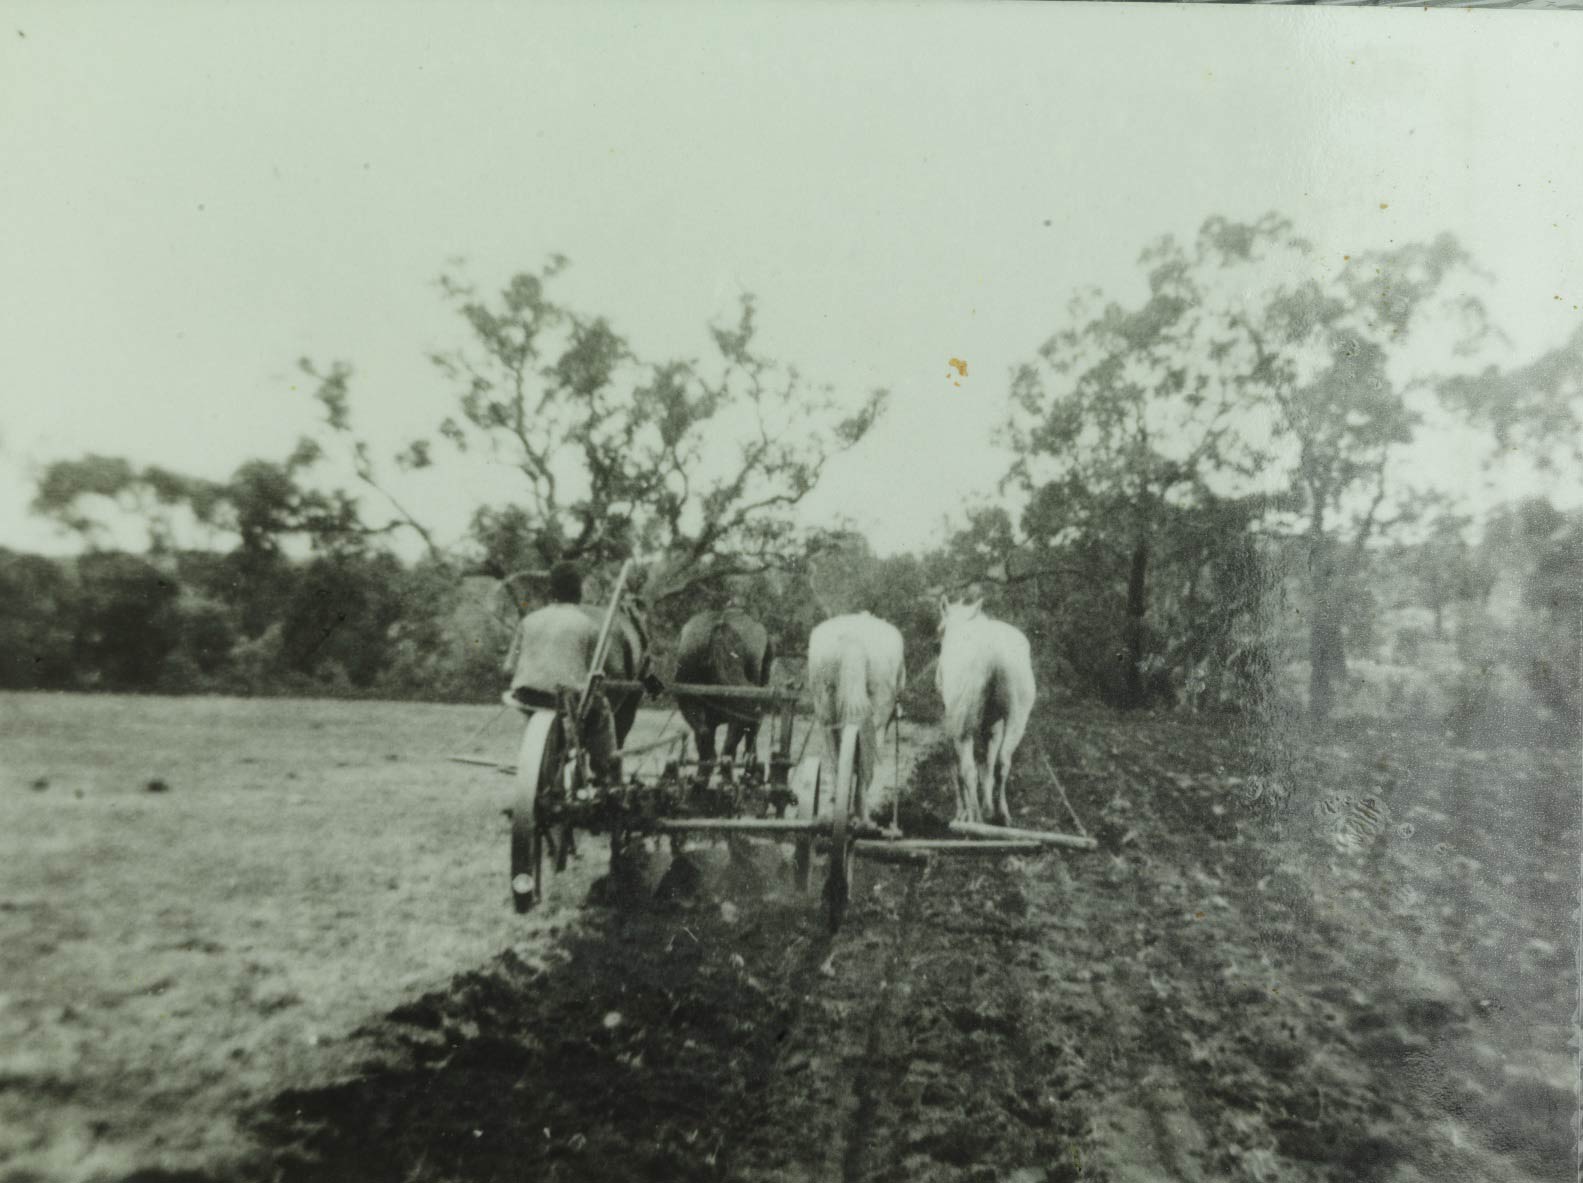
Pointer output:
x,y
630,1058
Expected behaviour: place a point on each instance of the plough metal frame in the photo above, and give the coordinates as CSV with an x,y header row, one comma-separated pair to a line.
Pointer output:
x,y
556,794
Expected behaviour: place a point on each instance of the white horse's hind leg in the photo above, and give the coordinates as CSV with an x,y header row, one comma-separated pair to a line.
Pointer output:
x,y
868,753
1008,748
966,782
832,752
987,770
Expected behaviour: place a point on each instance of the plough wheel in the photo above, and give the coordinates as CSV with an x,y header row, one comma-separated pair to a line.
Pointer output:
x,y
538,770
838,886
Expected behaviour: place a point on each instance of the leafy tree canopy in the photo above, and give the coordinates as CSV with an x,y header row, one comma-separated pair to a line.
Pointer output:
x,y
1538,406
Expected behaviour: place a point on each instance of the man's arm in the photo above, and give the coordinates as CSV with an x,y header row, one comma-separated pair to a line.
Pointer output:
x,y
510,666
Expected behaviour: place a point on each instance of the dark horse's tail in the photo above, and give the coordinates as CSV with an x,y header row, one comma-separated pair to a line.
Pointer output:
x,y
726,660
766,660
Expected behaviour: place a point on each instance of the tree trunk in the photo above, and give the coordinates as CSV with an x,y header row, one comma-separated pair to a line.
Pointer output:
x,y
1134,692
1436,594
1327,659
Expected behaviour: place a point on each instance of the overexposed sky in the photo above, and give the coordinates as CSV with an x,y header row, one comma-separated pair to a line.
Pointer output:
x,y
194,195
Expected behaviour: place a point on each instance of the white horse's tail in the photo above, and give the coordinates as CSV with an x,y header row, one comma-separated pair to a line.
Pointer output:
x,y
963,690
851,689
845,760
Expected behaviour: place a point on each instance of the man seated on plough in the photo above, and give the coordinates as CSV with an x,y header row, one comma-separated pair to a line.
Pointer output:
x,y
549,660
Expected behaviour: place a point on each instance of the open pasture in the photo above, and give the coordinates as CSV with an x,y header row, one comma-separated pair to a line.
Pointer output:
x,y
170,954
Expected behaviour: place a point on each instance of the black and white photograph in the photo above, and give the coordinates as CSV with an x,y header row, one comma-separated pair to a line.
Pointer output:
x,y
977,592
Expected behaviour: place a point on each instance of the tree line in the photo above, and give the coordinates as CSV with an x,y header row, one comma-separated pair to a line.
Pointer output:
x,y
1211,484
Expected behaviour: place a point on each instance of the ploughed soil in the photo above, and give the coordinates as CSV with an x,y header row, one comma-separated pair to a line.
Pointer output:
x,y
1342,957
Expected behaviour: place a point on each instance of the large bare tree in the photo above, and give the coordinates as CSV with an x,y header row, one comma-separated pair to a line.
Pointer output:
x,y
695,465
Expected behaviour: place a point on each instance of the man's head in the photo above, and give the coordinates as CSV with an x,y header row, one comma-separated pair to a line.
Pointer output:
x,y
566,585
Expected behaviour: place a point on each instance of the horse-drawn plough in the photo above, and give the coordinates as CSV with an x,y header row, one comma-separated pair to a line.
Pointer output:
x,y
558,791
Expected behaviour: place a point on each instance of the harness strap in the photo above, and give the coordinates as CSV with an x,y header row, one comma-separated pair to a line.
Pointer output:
x,y
1076,821
895,772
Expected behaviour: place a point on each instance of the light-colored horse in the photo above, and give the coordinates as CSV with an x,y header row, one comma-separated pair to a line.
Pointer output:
x,y
985,679
856,671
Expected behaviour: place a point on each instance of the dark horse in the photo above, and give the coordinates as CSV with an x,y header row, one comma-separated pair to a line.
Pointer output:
x,y
724,647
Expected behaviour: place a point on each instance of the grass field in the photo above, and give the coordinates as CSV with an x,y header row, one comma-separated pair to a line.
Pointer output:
x,y
170,955
1342,957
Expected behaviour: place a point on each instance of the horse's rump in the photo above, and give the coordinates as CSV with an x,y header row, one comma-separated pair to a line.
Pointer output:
x,y
985,675
986,682
855,669
850,697
723,648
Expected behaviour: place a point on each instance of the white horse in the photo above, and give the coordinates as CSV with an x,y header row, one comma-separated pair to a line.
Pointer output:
x,y
985,679
855,674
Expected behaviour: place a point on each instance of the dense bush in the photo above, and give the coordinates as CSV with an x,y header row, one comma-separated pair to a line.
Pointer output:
x,y
1225,632
37,623
126,621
